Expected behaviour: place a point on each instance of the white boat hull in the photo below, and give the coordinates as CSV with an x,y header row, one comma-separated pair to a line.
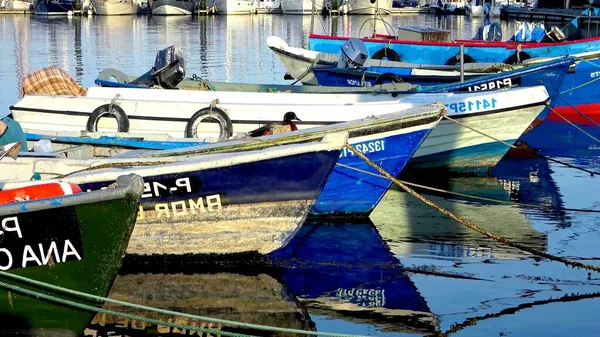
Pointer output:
x,y
503,114
172,7
114,7
365,7
232,7
18,5
300,7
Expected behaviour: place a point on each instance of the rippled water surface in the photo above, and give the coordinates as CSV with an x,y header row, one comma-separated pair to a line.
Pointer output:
x,y
407,271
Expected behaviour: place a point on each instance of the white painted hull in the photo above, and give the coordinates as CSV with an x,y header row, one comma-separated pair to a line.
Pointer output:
x,y
365,7
232,7
172,7
18,5
114,7
300,7
214,228
147,110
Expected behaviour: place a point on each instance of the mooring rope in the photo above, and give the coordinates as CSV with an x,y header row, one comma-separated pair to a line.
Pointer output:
x,y
96,298
508,202
471,225
592,173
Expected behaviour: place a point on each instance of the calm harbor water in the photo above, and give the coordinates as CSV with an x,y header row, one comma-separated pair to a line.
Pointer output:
x,y
406,271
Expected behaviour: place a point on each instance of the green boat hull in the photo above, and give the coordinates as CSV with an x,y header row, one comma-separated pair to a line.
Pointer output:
x,y
104,228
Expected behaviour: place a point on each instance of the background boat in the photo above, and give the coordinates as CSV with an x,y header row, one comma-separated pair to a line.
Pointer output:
x,y
173,7
56,7
114,7
228,7
303,7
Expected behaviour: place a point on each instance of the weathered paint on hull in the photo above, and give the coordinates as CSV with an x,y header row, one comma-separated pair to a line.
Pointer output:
x,y
272,193
105,228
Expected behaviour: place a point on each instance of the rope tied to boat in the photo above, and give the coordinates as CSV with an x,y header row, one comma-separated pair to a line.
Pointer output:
x,y
592,173
476,197
471,225
113,101
575,126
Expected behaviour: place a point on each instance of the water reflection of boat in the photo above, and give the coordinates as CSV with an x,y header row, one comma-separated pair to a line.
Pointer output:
x,y
346,271
258,299
413,228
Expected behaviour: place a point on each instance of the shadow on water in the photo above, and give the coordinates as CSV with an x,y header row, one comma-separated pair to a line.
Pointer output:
x,y
342,272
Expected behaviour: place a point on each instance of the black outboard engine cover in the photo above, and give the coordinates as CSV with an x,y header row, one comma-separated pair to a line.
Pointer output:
x,y
167,72
353,54
169,67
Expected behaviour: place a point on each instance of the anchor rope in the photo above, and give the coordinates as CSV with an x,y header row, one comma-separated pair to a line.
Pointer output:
x,y
146,308
465,195
592,173
471,225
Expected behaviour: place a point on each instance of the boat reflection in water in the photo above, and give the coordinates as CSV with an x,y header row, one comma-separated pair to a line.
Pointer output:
x,y
347,272
341,272
258,299
412,228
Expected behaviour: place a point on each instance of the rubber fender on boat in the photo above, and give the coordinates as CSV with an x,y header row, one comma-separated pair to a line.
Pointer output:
x,y
517,57
454,60
104,110
388,77
41,191
388,53
212,115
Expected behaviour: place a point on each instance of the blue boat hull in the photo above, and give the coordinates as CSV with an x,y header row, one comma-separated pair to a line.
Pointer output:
x,y
354,187
59,7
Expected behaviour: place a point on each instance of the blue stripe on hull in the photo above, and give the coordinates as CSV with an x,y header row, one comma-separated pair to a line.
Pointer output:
x,y
349,191
472,159
299,177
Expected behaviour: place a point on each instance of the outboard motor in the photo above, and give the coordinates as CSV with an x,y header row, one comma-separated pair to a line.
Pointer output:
x,y
489,33
353,54
167,72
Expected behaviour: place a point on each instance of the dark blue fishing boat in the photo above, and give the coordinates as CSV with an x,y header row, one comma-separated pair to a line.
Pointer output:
x,y
56,7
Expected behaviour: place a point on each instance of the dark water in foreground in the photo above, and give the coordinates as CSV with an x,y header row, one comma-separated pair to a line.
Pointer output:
x,y
407,270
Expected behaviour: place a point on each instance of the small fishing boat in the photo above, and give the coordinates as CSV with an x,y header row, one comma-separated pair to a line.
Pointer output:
x,y
389,140
70,240
299,61
56,7
115,7
349,71
221,203
142,110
